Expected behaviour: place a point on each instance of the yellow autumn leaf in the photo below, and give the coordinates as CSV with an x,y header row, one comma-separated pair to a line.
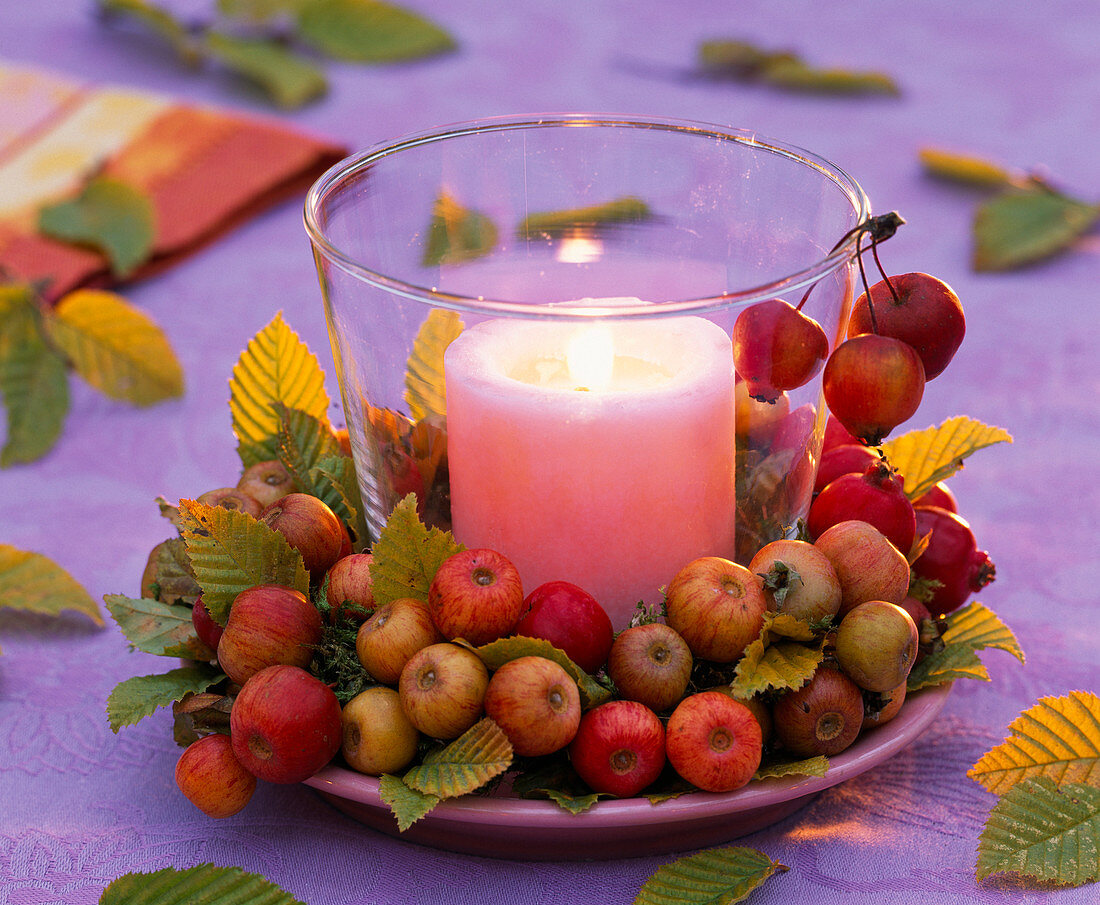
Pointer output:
x,y
34,583
965,168
425,391
970,629
1058,738
276,367
926,457
478,755
115,347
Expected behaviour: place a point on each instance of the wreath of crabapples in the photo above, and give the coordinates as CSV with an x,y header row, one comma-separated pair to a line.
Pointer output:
x,y
410,679
286,723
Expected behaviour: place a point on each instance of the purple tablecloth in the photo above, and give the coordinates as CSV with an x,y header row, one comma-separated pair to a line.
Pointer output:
x,y
1019,83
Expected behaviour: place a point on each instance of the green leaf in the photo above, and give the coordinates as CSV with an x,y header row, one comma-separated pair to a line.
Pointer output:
x,y
496,653
156,20
946,665
738,59
369,31
1043,831
407,805
794,75
136,698
288,78
275,367
457,234
786,69
301,441
157,628
116,348
1058,738
204,883
334,481
574,804
965,168
34,382
407,555
231,551
425,390
108,215
620,210
258,10
970,629
714,877
555,780
926,457
480,754
1022,226
812,766
36,584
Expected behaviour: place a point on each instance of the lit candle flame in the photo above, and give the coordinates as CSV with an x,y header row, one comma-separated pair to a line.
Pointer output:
x,y
590,357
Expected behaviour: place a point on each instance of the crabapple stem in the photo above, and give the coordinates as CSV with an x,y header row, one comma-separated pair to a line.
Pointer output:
x,y
805,297
885,277
863,279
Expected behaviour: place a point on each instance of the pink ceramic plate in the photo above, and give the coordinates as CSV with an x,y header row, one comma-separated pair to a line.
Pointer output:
x,y
531,830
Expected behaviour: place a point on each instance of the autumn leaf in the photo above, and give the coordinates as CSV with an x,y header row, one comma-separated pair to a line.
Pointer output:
x,y
425,391
812,766
302,441
784,656
275,367
407,555
288,78
406,804
109,215
34,381
480,754
1023,226
795,75
926,457
496,653
1058,738
156,20
745,61
115,347
231,551
970,629
36,584
457,234
204,883
134,699
609,213
965,168
1045,831
369,31
717,876
157,628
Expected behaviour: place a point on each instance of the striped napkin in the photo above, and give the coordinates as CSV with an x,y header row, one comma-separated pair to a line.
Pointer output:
x,y
204,170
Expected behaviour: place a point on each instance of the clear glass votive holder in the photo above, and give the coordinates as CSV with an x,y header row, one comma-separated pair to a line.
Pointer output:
x,y
531,321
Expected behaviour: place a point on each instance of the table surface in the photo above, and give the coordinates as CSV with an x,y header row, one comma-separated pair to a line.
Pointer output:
x,y
1015,82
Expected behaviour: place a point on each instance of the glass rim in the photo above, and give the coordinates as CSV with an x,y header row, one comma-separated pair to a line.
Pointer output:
x,y
355,163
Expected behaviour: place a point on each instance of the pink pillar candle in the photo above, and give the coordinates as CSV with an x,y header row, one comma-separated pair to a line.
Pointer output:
x,y
598,453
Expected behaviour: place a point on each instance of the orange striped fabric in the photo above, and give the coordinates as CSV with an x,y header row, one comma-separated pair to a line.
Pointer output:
x,y
205,170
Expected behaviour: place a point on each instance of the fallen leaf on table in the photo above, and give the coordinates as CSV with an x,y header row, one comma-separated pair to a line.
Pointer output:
x,y
786,69
205,883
